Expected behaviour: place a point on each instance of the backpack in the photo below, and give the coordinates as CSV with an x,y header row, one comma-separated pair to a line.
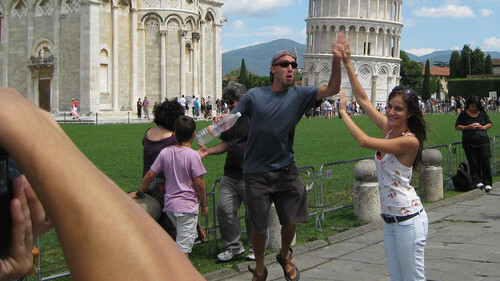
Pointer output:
x,y
462,181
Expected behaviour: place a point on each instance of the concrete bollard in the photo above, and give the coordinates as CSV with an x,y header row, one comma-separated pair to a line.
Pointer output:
x,y
275,229
366,193
431,176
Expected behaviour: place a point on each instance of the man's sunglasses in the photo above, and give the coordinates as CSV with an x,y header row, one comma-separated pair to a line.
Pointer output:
x,y
285,64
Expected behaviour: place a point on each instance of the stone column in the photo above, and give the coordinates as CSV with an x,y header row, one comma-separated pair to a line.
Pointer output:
x,y
56,53
196,63
89,57
182,71
202,59
431,176
6,49
274,225
114,53
374,89
163,65
133,55
31,92
366,193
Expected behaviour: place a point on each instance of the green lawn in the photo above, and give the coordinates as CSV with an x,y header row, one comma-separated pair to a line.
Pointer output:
x,y
117,151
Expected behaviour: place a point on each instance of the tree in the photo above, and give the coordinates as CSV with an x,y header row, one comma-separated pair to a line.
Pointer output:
x,y
465,61
426,87
488,65
477,61
436,86
411,72
455,69
243,77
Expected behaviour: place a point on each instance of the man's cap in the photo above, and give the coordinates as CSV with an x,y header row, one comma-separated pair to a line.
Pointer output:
x,y
281,53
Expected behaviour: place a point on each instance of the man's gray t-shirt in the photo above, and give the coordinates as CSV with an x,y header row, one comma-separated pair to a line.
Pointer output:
x,y
274,116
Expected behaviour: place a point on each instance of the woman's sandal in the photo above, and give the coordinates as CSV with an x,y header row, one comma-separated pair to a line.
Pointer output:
x,y
284,262
256,277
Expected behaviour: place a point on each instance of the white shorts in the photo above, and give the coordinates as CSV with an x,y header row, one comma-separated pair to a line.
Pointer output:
x,y
186,229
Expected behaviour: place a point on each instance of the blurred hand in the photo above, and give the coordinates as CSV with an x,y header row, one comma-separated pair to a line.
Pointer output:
x,y
204,211
338,47
203,151
133,195
343,101
346,54
28,221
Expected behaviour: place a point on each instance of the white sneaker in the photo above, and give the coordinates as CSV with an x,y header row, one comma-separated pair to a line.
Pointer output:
x,y
250,257
230,253
487,188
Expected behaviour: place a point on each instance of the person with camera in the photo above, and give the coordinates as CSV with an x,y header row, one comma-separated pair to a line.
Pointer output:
x,y
96,222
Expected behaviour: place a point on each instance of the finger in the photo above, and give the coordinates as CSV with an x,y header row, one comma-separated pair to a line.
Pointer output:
x,y
39,219
21,246
18,185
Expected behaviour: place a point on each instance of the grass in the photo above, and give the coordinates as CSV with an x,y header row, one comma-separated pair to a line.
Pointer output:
x,y
117,151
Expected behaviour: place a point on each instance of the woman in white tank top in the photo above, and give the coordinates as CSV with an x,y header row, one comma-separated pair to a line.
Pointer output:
x,y
404,128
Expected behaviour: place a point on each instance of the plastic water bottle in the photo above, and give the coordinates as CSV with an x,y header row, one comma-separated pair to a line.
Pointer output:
x,y
211,132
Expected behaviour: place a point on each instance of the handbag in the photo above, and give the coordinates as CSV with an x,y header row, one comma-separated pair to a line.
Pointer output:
x,y
462,181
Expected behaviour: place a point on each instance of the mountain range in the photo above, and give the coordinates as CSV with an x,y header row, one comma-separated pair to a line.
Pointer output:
x,y
258,57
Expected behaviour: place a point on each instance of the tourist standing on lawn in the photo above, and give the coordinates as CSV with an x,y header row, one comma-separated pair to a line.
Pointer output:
x,y
474,123
154,140
232,186
185,188
269,169
404,128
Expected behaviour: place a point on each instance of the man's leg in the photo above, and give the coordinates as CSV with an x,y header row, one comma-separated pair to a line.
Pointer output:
x,y
287,235
259,243
229,223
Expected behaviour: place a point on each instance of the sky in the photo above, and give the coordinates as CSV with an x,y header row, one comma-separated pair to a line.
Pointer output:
x,y
429,25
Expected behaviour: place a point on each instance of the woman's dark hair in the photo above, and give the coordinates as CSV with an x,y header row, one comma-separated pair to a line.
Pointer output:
x,y
474,100
166,113
184,128
416,121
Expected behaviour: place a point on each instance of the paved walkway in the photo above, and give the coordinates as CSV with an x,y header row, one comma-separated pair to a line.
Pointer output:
x,y
463,244
107,118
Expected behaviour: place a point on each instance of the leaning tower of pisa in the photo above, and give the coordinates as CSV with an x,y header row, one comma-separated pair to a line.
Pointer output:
x,y
374,30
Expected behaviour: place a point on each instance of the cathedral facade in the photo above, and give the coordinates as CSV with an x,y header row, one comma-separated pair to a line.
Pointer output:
x,y
374,31
109,53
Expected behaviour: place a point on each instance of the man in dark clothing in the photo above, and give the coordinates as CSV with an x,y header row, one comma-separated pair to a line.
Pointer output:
x,y
232,186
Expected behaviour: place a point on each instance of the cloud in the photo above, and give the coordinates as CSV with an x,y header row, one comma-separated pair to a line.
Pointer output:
x,y
257,8
408,22
276,30
492,43
421,52
486,12
446,11
237,25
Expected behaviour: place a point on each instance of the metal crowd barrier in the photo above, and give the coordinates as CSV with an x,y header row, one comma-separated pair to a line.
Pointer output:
x,y
328,190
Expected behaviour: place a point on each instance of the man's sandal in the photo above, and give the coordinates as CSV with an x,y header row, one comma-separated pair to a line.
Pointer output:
x,y
289,261
256,277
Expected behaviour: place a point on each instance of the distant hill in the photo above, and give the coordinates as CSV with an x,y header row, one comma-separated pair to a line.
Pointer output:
x,y
444,56
258,57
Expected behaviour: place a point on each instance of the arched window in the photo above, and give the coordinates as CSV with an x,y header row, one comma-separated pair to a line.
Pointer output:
x,y
103,72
